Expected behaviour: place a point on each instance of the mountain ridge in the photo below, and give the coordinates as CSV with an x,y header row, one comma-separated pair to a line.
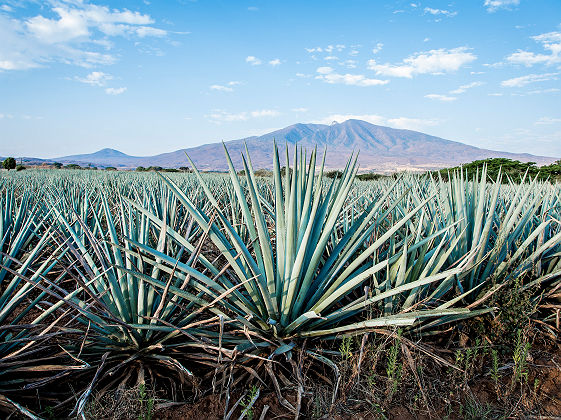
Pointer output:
x,y
382,149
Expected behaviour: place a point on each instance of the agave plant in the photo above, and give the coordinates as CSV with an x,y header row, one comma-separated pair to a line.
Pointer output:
x,y
29,355
297,275
510,232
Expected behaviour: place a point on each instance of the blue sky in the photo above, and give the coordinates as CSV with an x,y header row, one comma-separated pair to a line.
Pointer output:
x,y
155,76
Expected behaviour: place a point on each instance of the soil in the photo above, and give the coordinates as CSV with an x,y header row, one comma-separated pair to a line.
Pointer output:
x,y
211,407
539,401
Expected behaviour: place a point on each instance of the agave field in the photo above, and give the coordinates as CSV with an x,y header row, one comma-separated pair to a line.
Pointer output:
x,y
202,284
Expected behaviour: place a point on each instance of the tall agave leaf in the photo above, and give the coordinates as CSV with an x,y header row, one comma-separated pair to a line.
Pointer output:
x,y
301,273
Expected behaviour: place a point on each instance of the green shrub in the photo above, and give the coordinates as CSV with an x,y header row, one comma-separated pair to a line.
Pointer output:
x,y
9,163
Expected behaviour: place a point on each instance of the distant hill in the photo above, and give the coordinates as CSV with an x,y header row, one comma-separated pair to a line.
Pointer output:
x,y
382,149
103,157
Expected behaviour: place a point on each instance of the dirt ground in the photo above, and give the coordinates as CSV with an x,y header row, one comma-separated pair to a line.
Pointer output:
x,y
540,399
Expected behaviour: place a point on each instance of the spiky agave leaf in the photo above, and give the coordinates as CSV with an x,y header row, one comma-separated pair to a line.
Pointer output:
x,y
302,275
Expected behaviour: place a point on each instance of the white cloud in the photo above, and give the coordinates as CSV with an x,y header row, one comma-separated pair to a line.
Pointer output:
x,y
324,70
550,41
329,49
254,61
328,75
463,88
540,91
264,113
95,78
6,8
75,33
442,98
115,91
225,88
411,123
275,62
299,109
331,57
495,94
351,64
144,31
377,48
399,122
436,12
80,19
530,78
547,121
338,47
430,62
220,116
221,88
494,5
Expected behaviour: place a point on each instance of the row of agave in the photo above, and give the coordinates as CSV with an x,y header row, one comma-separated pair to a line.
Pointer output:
x,y
107,276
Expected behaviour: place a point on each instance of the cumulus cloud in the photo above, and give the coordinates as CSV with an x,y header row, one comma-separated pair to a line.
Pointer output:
x,y
329,49
441,12
328,75
443,98
220,116
377,48
550,41
95,78
221,88
430,62
75,33
494,5
530,78
229,87
115,91
397,122
254,61
275,62
79,21
299,109
350,64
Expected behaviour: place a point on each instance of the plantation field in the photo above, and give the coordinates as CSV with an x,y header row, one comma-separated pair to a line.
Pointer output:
x,y
316,295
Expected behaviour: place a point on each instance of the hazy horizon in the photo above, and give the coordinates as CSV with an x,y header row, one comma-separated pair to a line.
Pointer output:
x,y
145,78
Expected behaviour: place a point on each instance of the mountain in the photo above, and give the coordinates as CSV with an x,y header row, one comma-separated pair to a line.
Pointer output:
x,y
382,149
103,157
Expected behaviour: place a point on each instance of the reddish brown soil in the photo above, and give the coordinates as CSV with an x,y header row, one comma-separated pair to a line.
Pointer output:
x,y
210,408
543,401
